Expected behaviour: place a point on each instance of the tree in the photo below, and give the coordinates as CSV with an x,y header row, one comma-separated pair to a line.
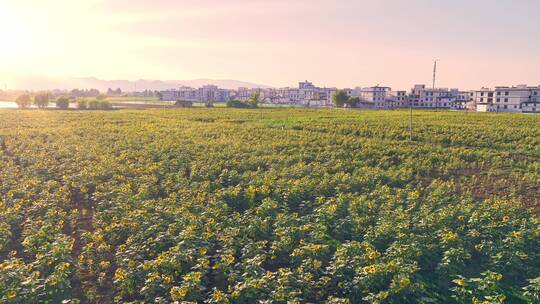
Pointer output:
x,y
101,97
93,104
105,105
340,98
92,93
23,101
62,102
82,104
254,100
233,103
75,93
352,102
41,100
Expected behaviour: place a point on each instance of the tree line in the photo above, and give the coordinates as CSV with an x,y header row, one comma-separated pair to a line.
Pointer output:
x,y
42,100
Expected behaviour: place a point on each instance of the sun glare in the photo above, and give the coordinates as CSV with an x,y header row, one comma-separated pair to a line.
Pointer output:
x,y
14,34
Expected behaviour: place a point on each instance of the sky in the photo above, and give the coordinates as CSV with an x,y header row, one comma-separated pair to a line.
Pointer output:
x,y
342,43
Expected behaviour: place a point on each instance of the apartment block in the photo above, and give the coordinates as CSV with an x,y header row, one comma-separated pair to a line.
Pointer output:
x,y
208,93
397,99
434,98
306,94
521,98
533,104
245,94
376,96
461,101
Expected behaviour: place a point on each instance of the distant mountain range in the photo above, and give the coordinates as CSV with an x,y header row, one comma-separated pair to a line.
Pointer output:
x,y
36,83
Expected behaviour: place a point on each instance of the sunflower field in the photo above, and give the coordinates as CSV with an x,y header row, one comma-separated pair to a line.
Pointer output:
x,y
268,206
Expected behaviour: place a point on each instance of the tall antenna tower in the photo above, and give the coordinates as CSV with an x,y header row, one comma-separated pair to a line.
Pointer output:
x,y
434,72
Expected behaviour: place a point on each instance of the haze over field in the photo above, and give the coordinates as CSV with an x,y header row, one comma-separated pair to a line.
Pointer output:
x,y
68,83
333,43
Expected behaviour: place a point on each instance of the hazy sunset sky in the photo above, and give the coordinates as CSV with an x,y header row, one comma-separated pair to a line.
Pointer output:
x,y
342,43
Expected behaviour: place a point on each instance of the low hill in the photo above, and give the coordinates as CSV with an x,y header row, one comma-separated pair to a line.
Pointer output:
x,y
36,83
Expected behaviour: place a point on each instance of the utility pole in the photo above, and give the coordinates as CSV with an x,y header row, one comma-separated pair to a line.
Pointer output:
x,y
410,120
434,80
434,72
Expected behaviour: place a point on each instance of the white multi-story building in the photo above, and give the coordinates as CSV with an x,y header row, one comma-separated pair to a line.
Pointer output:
x,y
519,98
245,94
422,97
532,105
373,97
294,96
306,94
328,95
180,94
208,93
461,101
311,95
280,96
242,94
482,99
306,85
397,99
510,99
211,93
376,94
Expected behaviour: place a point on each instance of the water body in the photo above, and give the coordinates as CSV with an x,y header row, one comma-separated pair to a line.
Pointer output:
x,y
13,105
7,105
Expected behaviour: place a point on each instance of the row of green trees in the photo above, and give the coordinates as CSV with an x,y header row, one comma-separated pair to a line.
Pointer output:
x,y
252,102
342,99
93,104
42,100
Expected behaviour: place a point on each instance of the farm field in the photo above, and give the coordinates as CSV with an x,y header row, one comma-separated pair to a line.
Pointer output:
x,y
268,206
